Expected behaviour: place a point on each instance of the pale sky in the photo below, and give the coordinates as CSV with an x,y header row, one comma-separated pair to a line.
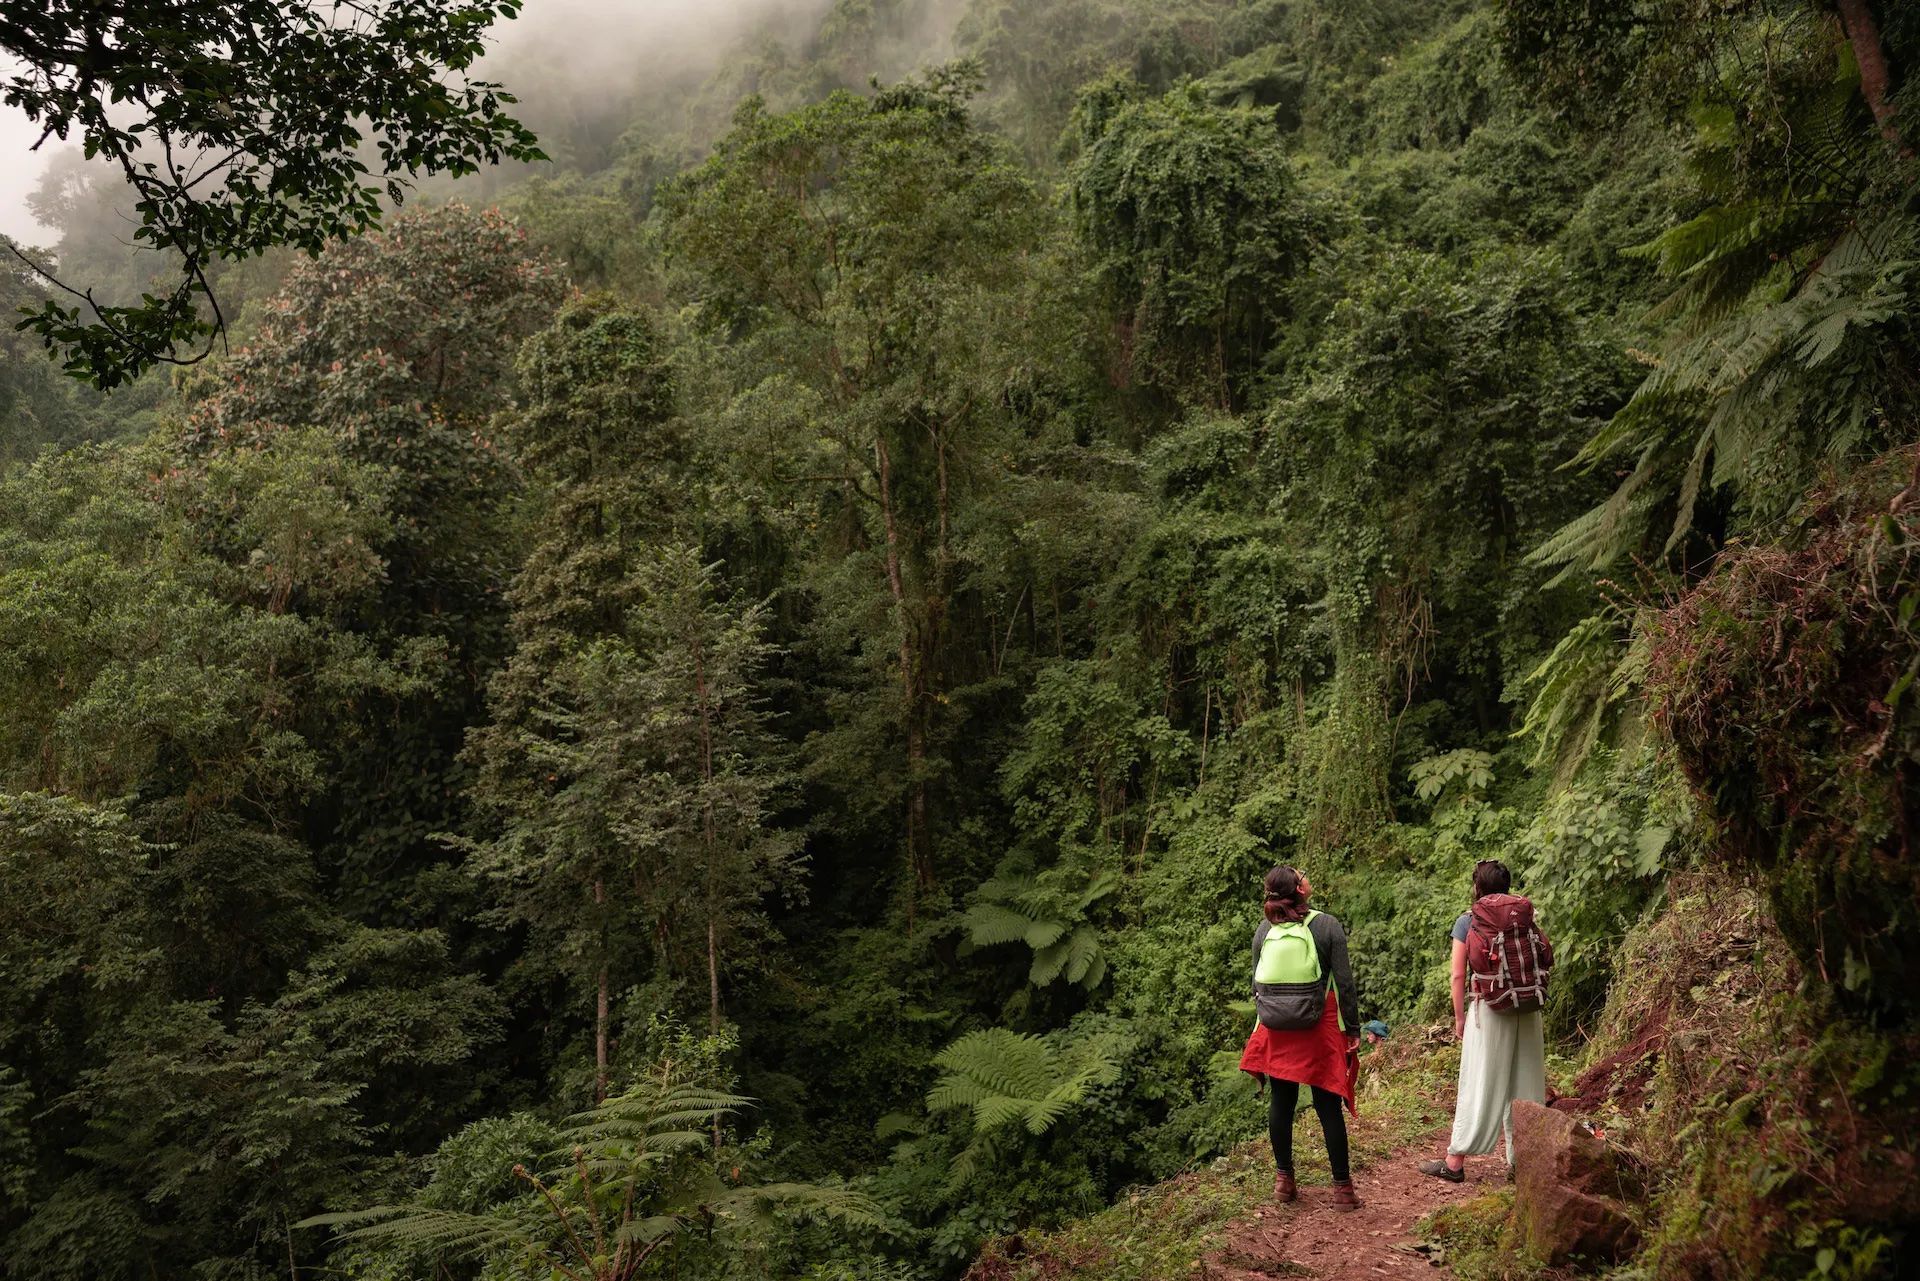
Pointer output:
x,y
20,171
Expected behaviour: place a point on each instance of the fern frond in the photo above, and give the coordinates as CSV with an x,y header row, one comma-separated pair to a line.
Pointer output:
x,y
448,1233
897,1123
1577,690
1004,1077
1042,935
991,924
1048,962
1103,884
803,1201
650,1228
1083,949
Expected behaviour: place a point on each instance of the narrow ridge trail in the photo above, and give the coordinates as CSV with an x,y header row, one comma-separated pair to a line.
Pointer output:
x,y
1309,1238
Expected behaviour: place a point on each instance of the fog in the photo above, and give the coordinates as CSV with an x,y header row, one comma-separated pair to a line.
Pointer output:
x,y
563,58
607,44
20,170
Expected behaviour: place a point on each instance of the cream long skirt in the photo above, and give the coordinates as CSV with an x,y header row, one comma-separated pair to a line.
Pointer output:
x,y
1502,1058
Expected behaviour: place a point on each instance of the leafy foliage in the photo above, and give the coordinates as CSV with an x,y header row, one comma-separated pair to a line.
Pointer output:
x,y
641,1182
1192,218
238,133
1008,1079
1049,923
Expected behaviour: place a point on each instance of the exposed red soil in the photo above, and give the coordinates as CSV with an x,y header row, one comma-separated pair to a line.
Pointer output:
x,y
1624,1075
1310,1239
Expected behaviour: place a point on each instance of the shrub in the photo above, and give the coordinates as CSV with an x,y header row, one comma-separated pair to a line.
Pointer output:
x,y
1784,682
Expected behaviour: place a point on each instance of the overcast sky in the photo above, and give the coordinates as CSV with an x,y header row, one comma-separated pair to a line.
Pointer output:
x,y
20,171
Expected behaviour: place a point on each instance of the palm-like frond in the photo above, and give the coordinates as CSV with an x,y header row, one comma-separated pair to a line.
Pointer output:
x,y
445,1233
1722,408
1792,314
990,924
1048,920
634,1173
1580,690
769,1201
1007,1078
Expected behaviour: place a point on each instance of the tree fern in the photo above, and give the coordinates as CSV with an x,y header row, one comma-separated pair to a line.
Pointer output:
x,y
1048,919
636,1173
1009,1079
1801,378
1580,691
1792,312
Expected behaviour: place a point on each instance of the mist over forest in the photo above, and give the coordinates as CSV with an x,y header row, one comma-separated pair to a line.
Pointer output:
x,y
705,686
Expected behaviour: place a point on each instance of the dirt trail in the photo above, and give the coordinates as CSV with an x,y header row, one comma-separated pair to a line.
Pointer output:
x,y
1310,1239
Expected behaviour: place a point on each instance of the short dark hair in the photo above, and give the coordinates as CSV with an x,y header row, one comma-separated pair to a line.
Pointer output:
x,y
1490,876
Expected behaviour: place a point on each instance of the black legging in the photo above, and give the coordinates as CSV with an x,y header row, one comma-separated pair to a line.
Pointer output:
x,y
1280,1107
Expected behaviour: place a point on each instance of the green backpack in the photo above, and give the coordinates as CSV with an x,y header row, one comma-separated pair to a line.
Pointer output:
x,y
1289,983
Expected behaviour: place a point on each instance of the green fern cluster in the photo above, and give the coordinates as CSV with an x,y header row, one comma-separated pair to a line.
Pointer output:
x,y
1792,314
637,1174
1049,920
1803,376
1581,691
1008,1078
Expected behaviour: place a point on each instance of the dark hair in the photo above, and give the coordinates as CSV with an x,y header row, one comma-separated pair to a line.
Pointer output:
x,y
1285,902
1490,876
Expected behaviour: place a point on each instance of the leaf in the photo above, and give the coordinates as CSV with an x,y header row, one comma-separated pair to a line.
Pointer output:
x,y
990,924
1043,935
1649,844
1048,963
897,1123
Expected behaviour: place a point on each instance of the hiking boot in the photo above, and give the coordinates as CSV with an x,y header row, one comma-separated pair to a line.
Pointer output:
x,y
1344,1197
1441,1170
1283,1189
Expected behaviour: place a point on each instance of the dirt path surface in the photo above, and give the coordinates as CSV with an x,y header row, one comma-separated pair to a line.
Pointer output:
x,y
1310,1239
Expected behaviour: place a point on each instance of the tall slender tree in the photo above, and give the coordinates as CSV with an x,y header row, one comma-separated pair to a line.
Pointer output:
x,y
866,241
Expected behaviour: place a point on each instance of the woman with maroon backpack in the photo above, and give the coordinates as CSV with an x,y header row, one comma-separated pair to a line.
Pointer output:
x,y
1501,960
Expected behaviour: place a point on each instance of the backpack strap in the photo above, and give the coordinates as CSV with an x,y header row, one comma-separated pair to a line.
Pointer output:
x,y
1259,941
1319,945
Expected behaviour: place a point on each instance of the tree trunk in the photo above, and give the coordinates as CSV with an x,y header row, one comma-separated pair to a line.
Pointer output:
x,y
713,1003
600,1041
710,836
1876,81
919,853
713,979
601,1017
711,840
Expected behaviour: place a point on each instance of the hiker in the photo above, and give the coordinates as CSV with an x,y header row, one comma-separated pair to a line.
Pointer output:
x,y
1501,959
1306,1031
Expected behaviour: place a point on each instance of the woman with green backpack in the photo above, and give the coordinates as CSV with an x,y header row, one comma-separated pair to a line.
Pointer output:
x,y
1307,1027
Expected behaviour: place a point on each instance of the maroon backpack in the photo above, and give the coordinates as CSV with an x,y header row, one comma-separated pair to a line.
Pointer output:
x,y
1508,958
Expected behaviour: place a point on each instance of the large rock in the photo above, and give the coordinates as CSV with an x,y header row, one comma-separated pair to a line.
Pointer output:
x,y
1567,1189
